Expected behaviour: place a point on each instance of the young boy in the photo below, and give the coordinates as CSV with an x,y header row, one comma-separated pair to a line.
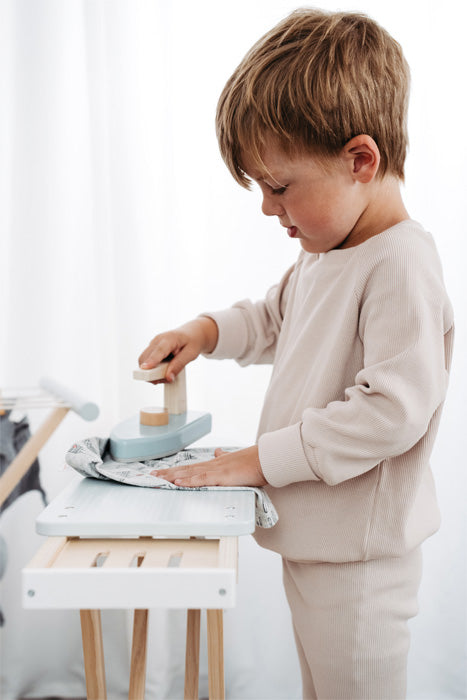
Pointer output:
x,y
359,331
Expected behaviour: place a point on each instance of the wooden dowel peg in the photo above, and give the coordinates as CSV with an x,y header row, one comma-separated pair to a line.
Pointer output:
x,y
154,416
175,394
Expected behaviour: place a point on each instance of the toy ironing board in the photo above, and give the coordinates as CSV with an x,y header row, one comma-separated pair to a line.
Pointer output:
x,y
157,563
116,546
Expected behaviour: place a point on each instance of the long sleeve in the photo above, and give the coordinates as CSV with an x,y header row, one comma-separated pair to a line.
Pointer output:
x,y
249,331
385,411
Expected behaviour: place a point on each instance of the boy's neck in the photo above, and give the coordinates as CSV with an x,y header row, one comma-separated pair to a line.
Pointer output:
x,y
384,208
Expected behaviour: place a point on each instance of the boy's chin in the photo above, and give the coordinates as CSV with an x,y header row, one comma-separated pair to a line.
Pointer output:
x,y
309,247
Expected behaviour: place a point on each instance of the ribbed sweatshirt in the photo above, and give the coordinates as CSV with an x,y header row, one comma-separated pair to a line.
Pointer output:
x,y
360,340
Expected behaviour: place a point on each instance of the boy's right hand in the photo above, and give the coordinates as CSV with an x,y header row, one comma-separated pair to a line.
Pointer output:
x,y
183,344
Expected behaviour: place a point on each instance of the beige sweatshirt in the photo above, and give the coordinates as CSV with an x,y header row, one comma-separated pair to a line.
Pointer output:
x,y
361,343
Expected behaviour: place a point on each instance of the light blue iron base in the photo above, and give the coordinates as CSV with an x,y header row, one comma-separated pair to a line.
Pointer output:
x,y
132,442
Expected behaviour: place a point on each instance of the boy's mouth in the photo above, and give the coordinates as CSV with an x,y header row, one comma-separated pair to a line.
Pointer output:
x,y
292,231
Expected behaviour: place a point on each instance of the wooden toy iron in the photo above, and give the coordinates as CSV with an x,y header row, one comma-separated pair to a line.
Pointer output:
x,y
157,433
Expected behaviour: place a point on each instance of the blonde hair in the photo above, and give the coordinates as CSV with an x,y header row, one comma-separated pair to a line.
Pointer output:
x,y
312,83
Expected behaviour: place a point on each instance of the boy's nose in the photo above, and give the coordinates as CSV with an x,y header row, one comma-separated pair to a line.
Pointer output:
x,y
271,207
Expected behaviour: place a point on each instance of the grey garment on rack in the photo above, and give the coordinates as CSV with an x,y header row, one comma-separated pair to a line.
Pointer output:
x,y
13,436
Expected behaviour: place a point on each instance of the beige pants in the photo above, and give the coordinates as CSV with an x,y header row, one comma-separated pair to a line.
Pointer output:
x,y
350,624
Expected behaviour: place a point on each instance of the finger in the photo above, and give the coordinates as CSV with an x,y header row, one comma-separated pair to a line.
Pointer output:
x,y
179,362
166,474
173,473
159,349
203,478
184,471
218,452
211,473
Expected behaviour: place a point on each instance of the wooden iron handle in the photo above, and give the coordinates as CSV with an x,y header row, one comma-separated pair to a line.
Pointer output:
x,y
174,392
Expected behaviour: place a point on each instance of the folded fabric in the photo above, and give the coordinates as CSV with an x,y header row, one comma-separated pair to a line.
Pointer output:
x,y
91,457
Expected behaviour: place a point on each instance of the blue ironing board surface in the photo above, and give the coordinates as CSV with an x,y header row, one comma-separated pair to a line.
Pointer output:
x,y
93,508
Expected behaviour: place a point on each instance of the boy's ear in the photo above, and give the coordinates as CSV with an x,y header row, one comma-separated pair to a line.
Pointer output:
x,y
363,156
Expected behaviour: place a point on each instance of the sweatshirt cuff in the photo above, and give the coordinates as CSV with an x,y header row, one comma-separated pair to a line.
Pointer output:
x,y
282,457
232,339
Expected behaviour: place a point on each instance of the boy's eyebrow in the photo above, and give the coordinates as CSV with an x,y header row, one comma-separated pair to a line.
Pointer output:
x,y
263,176
271,177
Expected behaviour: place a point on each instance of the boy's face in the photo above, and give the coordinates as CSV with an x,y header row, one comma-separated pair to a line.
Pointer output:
x,y
321,206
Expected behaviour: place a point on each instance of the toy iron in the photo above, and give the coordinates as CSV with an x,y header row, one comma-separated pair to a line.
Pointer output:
x,y
159,432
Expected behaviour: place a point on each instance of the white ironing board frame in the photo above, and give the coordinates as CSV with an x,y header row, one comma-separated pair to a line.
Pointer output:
x,y
140,560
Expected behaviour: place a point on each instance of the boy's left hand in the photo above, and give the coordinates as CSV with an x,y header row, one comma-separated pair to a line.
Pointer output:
x,y
240,468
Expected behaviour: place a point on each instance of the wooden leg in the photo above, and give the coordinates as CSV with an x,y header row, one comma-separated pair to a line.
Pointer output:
x,y
93,651
215,655
192,655
138,655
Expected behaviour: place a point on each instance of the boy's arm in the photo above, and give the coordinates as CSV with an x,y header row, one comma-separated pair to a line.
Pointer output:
x,y
248,331
406,326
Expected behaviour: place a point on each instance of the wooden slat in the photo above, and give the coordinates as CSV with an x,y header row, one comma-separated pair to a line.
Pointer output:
x,y
122,552
80,553
158,552
194,553
118,559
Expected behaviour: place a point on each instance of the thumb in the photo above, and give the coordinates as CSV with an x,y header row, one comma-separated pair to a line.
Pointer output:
x,y
218,452
179,362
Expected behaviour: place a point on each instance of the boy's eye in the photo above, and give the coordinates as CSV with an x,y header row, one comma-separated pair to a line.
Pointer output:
x,y
278,190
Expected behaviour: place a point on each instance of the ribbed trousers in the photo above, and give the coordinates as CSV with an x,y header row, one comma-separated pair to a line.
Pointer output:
x,y
350,625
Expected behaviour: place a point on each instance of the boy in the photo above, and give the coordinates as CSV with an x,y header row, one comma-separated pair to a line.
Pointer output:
x,y
359,331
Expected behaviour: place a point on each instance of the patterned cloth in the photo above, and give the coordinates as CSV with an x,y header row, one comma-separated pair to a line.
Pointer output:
x,y
91,457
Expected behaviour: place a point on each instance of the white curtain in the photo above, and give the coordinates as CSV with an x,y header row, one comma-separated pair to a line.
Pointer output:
x,y
118,220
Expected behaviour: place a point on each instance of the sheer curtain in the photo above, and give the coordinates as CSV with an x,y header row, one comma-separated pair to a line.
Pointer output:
x,y
118,219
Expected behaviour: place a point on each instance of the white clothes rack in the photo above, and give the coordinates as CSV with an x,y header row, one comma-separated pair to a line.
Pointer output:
x,y
50,394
